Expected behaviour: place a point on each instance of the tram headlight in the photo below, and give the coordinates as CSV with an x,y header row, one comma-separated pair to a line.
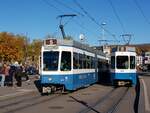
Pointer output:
x,y
66,78
49,79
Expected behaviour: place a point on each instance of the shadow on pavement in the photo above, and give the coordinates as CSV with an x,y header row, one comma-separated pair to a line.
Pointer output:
x,y
38,85
104,79
136,102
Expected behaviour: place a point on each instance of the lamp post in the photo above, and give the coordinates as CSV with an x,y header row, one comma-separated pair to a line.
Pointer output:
x,y
103,31
103,35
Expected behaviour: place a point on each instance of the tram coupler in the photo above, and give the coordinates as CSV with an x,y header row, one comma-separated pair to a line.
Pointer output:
x,y
123,83
46,90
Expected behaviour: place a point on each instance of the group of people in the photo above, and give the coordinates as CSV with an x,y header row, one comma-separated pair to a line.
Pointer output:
x,y
10,71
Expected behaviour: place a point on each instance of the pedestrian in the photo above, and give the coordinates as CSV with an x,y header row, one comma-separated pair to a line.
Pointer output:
x,y
6,72
18,76
25,72
2,75
12,74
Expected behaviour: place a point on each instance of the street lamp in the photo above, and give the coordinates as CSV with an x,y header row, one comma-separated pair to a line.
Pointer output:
x,y
103,30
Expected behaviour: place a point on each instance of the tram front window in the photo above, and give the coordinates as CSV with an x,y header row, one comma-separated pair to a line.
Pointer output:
x,y
50,60
122,62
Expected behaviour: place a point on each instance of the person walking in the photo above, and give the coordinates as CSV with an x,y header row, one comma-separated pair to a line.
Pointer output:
x,y
6,72
12,74
18,76
2,75
25,72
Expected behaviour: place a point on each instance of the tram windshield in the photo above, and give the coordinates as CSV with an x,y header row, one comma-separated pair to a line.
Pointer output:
x,y
122,62
50,60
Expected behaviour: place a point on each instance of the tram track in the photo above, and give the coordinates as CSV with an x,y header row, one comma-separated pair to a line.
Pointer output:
x,y
18,101
114,107
17,104
91,107
106,104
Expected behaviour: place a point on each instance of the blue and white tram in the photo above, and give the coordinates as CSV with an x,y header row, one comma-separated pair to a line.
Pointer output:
x,y
123,68
67,64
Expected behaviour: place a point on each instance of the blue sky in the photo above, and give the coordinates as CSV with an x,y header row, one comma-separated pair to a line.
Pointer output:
x,y
37,19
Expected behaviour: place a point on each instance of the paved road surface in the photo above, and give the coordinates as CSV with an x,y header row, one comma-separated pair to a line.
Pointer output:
x,y
94,99
144,94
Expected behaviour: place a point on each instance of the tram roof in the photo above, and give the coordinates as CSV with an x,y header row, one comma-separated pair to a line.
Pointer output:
x,y
76,44
79,45
124,49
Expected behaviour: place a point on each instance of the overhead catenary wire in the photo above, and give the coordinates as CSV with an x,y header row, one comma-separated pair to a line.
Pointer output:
x,y
53,6
67,6
60,11
117,16
87,14
67,21
94,20
84,28
141,11
66,15
89,31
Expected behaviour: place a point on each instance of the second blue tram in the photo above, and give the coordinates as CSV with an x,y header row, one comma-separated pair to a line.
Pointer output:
x,y
68,64
123,68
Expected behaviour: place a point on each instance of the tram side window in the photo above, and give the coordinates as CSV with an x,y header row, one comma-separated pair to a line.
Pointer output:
x,y
84,61
81,61
76,64
132,62
113,62
122,62
100,64
88,61
92,63
65,61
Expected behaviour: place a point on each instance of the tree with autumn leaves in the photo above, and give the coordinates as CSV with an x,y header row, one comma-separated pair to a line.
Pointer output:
x,y
18,48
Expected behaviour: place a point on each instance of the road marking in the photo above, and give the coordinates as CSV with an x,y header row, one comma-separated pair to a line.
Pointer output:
x,y
25,90
19,92
12,94
3,97
147,105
